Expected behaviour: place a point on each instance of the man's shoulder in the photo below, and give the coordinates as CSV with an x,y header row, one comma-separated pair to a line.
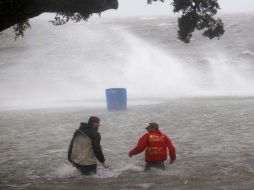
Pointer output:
x,y
95,134
78,131
162,134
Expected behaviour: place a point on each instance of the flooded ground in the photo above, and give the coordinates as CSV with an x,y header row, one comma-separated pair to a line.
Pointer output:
x,y
213,139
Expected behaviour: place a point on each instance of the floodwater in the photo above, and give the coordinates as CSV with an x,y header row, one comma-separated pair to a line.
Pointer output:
x,y
201,94
214,140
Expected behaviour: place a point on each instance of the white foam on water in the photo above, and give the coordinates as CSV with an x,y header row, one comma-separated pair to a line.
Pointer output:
x,y
115,171
145,185
66,170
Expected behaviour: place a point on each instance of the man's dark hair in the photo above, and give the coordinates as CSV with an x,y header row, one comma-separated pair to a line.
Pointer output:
x,y
93,119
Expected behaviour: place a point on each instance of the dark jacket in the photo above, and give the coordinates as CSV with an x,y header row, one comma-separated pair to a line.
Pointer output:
x,y
95,138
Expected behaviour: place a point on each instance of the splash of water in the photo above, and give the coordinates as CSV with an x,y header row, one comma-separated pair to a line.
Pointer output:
x,y
76,63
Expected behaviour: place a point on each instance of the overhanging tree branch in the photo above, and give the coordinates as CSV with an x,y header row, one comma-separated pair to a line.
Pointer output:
x,y
195,14
19,11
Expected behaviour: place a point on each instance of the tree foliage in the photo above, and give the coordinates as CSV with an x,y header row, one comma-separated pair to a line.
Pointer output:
x,y
195,14
198,14
18,12
20,28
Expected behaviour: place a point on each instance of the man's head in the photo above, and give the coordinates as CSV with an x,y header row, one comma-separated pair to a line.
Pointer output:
x,y
152,126
94,122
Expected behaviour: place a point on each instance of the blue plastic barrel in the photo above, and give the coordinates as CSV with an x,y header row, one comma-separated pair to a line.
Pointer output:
x,y
116,99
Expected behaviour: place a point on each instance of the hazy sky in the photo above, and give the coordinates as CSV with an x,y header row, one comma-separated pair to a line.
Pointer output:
x,y
139,7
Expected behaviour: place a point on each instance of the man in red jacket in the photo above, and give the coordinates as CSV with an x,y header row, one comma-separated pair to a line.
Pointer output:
x,y
156,144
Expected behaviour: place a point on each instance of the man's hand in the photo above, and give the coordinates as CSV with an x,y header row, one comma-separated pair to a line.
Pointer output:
x,y
129,154
75,165
105,165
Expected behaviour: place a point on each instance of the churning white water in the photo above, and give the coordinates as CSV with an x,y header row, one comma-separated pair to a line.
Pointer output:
x,y
75,63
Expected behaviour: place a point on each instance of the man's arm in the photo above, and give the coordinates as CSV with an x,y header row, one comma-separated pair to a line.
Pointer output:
x,y
142,144
171,149
96,139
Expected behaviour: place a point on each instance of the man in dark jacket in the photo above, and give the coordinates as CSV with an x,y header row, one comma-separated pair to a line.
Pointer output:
x,y
85,147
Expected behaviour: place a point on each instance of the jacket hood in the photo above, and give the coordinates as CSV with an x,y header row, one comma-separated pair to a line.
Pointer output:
x,y
85,127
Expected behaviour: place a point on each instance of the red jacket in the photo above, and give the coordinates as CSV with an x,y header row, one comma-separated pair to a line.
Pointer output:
x,y
156,144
